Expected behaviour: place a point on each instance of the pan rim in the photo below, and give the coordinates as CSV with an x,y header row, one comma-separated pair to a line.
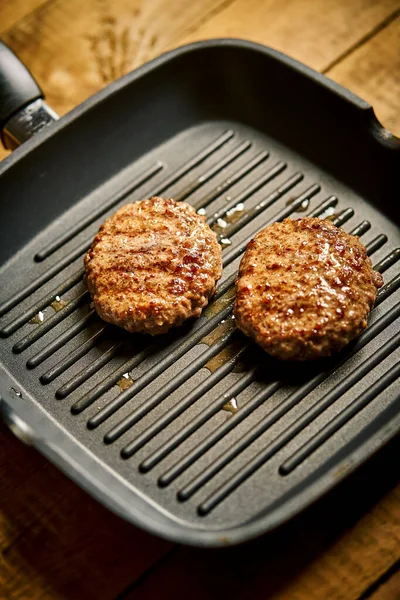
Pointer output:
x,y
195,47
112,491
78,462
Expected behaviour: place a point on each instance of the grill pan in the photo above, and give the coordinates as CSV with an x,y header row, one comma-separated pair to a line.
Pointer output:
x,y
197,436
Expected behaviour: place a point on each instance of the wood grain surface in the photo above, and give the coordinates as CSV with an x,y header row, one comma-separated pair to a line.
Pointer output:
x,y
388,590
12,11
373,72
55,541
312,31
75,49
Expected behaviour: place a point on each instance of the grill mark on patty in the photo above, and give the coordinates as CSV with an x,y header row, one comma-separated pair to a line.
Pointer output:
x,y
152,265
305,289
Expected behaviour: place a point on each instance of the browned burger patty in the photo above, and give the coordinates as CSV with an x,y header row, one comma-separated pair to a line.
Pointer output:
x,y
152,265
305,289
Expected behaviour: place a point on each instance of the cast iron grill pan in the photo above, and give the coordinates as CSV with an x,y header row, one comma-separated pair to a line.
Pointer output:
x,y
220,440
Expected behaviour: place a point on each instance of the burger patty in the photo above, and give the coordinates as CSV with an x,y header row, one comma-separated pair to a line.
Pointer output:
x,y
152,265
305,289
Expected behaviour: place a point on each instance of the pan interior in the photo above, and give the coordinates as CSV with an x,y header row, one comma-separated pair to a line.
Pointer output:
x,y
201,423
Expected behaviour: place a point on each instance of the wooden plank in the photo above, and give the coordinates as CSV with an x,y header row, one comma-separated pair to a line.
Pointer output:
x,y
75,51
312,31
334,551
56,541
373,72
12,11
390,590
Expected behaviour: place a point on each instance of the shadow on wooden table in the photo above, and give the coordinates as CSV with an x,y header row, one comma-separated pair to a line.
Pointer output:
x,y
56,542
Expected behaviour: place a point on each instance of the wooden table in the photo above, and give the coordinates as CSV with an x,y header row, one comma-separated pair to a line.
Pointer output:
x,y
55,541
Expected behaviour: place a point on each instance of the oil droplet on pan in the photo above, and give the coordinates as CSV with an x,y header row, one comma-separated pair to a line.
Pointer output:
x,y
226,355
332,216
38,318
58,304
219,226
303,206
215,307
231,406
329,213
225,326
125,382
235,213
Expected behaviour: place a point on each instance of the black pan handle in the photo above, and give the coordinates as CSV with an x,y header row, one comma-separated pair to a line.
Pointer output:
x,y
22,110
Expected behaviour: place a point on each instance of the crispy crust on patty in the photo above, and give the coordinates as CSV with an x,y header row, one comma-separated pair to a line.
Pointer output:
x,y
152,265
305,289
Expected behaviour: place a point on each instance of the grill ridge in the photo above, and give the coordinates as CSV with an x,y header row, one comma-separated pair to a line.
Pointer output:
x,y
231,180
49,323
189,399
343,217
388,289
214,170
362,228
290,432
73,356
170,387
388,261
191,340
301,392
100,210
60,340
320,209
83,375
24,317
190,428
341,419
376,243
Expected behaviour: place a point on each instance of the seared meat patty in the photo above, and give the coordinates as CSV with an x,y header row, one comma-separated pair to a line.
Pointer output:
x,y
305,289
152,265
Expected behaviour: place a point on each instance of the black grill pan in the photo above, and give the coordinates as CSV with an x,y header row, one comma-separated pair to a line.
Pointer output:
x,y
197,436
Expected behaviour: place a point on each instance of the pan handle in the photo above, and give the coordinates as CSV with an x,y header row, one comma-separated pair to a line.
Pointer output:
x,y
22,109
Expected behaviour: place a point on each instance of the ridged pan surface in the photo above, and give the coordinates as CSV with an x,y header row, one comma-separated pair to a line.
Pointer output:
x,y
216,438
